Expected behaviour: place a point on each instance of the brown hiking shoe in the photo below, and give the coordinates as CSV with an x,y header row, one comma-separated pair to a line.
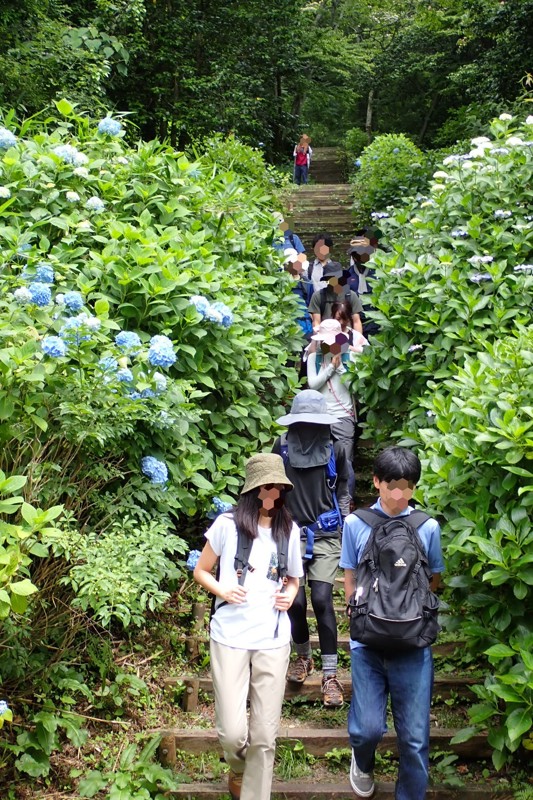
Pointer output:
x,y
299,669
332,692
234,784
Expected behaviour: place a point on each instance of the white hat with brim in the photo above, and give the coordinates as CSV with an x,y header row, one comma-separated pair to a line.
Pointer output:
x,y
329,332
308,406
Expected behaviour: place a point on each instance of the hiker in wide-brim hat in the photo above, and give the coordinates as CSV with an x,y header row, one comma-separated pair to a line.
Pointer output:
x,y
257,546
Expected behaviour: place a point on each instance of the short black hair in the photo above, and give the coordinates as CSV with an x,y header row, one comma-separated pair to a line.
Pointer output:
x,y
327,237
395,463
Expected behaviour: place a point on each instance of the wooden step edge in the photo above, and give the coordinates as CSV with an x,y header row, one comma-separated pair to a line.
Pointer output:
x,y
444,686
302,790
317,741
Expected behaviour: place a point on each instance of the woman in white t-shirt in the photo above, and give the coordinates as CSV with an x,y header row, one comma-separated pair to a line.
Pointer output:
x,y
250,629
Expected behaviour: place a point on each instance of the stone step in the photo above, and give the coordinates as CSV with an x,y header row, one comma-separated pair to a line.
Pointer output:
x,y
445,686
340,790
317,741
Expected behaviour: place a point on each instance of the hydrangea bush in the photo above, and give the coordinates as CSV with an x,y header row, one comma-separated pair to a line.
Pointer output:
x,y
120,396
451,372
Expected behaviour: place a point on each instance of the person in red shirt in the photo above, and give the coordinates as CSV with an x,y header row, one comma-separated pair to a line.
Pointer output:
x,y
302,159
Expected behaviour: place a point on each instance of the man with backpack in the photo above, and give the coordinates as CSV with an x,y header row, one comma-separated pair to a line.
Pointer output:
x,y
337,291
391,554
318,472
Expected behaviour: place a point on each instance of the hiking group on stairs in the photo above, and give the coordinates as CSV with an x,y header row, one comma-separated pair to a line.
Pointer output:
x,y
294,524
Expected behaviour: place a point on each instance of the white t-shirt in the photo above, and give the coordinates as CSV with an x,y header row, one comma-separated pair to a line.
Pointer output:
x,y
251,625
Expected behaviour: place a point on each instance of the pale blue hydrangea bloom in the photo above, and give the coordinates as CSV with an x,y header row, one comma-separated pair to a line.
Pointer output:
x,y
134,395
200,303
221,506
40,293
7,139
227,316
95,204
108,364
160,382
192,559
161,352
71,331
155,470
502,214
523,268
5,193
111,127
479,277
480,259
54,346
22,295
147,394
213,315
379,215
72,197
70,155
60,299
73,301
414,347
125,375
128,340
458,233
3,707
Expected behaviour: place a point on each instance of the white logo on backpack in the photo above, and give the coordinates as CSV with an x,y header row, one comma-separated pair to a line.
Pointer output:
x,y
400,563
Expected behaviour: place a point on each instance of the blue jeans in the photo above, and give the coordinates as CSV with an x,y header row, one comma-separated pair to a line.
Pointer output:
x,y
300,174
408,678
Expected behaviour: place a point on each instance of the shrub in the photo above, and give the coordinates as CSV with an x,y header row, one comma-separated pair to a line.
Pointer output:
x,y
392,168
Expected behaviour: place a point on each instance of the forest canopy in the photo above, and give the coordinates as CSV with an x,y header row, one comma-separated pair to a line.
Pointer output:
x,y
436,71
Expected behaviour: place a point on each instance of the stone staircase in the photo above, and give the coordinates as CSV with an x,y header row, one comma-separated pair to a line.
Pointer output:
x,y
324,205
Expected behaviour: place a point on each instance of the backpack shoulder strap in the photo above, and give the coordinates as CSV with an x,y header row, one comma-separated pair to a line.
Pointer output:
x,y
240,563
417,518
283,551
322,302
370,516
284,448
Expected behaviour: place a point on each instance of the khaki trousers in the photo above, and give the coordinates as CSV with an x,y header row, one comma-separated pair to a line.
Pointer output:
x,y
249,747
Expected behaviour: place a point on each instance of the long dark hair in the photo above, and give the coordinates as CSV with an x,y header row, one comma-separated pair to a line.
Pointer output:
x,y
246,517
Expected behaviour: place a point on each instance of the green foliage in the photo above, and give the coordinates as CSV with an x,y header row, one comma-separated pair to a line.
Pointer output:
x,y
119,574
136,777
451,373
392,169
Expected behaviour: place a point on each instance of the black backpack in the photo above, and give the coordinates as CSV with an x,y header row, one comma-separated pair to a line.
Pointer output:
x,y
393,609
344,297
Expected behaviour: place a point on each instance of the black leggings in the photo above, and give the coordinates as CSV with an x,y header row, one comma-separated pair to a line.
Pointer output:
x,y
322,602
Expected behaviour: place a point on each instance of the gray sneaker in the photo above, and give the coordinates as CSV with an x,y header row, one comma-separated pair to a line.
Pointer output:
x,y
362,782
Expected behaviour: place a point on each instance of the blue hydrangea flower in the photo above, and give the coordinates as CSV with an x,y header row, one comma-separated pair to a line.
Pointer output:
x,y
200,303
125,375
357,162
192,559
227,316
7,139
502,214
40,293
134,395
147,394
110,126
160,382
396,150
458,233
213,315
71,331
3,705
479,277
70,155
379,215
108,364
161,352
221,506
128,340
54,346
93,323
95,204
22,295
73,301
155,470
43,273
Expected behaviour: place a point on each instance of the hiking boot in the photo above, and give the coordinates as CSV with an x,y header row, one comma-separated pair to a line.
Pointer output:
x,y
299,669
361,782
332,692
234,784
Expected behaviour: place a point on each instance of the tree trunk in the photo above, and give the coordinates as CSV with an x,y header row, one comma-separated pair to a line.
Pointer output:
x,y
369,112
427,118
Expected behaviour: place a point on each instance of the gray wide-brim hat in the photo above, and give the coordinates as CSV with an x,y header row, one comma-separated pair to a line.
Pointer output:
x,y
265,468
308,406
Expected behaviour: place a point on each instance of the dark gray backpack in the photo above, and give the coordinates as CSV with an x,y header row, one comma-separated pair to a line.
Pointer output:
x,y
393,608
